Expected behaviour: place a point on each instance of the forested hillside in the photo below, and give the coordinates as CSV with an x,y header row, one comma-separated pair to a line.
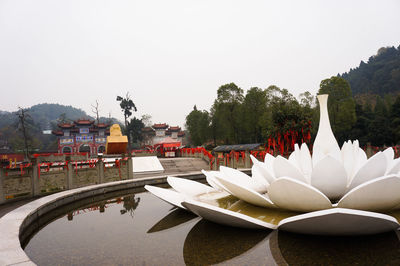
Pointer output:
x,y
43,114
379,76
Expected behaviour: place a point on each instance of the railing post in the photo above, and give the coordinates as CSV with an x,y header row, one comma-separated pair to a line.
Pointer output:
x,y
35,178
247,160
130,168
70,173
2,176
100,169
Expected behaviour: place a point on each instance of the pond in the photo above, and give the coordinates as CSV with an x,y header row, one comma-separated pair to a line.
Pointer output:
x,y
134,227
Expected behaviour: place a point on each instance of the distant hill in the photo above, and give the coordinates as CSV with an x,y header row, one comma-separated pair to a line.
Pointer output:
x,y
379,76
43,114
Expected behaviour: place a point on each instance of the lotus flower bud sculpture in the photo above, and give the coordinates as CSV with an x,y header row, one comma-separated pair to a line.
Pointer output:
x,y
333,192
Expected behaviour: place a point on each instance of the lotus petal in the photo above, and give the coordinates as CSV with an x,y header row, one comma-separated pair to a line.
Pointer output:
x,y
246,194
283,167
223,216
306,161
348,158
330,177
210,178
389,153
380,194
294,195
395,167
294,157
167,195
373,168
338,221
188,187
269,160
360,158
257,175
242,179
216,181
266,172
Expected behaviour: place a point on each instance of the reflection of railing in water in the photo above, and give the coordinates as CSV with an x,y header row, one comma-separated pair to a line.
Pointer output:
x,y
128,205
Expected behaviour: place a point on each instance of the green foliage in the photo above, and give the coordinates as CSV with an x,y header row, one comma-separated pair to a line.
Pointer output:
x,y
395,120
198,126
227,113
379,129
127,107
235,118
379,76
254,106
135,129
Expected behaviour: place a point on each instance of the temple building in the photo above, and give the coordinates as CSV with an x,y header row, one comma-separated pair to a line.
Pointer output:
x,y
164,138
83,135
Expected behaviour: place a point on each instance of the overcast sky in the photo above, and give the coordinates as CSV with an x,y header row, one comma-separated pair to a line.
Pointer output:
x,y
172,55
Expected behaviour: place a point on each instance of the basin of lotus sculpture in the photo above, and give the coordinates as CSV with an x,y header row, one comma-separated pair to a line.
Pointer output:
x,y
336,191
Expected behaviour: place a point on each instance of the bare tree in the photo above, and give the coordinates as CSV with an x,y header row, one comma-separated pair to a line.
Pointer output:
x,y
146,119
22,116
109,118
96,110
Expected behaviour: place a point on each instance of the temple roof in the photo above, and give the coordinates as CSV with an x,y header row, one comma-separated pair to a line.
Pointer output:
x,y
84,122
57,132
160,126
181,133
66,125
102,125
147,129
174,128
237,147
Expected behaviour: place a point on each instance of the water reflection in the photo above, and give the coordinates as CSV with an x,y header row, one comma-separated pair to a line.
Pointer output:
x,y
130,204
172,219
297,249
209,243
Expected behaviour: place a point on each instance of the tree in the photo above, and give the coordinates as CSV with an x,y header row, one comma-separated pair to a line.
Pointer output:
x,y
254,106
395,121
379,128
341,106
23,115
127,106
96,110
146,119
198,126
227,113
62,118
135,127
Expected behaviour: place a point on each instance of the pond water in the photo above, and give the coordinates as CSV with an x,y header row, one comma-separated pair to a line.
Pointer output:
x,y
136,228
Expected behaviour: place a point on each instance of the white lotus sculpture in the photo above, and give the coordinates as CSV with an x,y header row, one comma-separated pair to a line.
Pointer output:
x,y
333,192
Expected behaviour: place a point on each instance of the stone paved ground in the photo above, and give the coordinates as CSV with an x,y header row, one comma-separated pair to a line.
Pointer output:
x,y
171,166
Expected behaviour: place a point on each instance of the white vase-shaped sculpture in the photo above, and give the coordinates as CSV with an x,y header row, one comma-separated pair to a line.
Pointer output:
x,y
325,142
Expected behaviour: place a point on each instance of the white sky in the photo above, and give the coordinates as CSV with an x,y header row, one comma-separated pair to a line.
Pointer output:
x,y
171,55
